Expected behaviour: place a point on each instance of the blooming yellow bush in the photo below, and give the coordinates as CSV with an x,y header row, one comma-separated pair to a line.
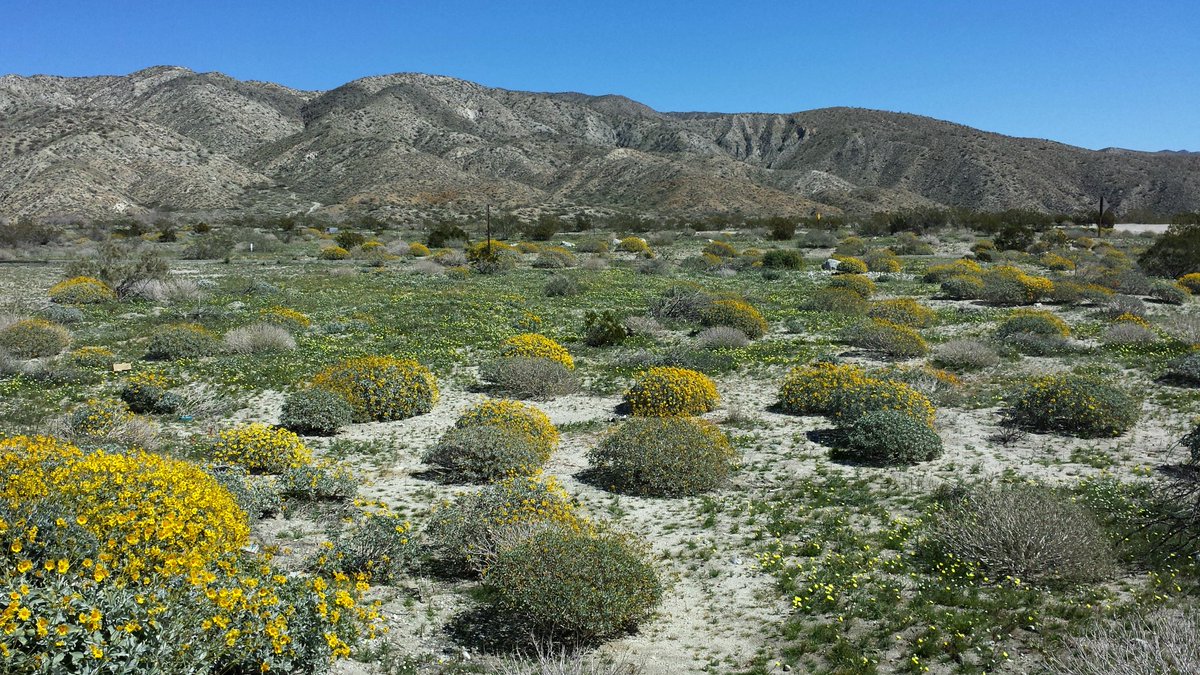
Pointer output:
x,y
850,265
148,514
936,274
381,388
904,311
288,318
721,249
32,338
809,390
736,314
81,291
1126,317
418,250
857,283
1191,282
334,253
1057,263
92,357
522,419
1008,285
634,245
260,448
671,392
532,345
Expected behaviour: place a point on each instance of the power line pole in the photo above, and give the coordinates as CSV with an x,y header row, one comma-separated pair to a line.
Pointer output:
x,y
1100,217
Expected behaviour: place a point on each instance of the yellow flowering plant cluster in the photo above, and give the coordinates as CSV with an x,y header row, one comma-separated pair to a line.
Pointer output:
x,y
1191,282
809,389
903,311
849,264
98,417
92,357
721,249
259,448
666,391
858,283
287,318
533,345
936,274
1033,321
1009,285
1126,317
334,253
846,392
418,250
374,542
737,314
634,245
381,388
1057,263
1075,405
34,338
521,419
81,291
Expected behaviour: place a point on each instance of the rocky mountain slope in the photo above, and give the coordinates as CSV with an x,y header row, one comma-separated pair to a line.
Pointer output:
x,y
168,137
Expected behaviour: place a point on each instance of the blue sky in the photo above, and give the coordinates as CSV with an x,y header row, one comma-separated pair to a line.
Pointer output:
x,y
1093,73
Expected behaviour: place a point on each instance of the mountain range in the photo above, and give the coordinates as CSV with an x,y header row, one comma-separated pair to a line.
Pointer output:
x,y
168,138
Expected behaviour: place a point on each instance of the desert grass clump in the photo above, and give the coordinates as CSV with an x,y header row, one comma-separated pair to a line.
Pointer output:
x,y
887,338
837,300
1033,321
671,392
34,338
1024,533
888,437
722,337
315,412
180,341
574,587
903,311
964,354
525,377
258,338
533,345
464,535
1074,405
259,448
736,314
381,388
1183,327
1169,292
664,457
522,419
81,291
1128,334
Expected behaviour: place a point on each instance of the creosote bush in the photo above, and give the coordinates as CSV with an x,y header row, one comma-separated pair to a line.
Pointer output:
x,y
381,388
574,587
780,259
1024,532
664,457
33,338
671,392
525,377
736,314
315,412
533,345
837,300
603,329
81,291
180,341
259,448
1074,405
889,437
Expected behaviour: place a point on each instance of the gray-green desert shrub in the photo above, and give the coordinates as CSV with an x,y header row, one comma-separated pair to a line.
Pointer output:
x,y
603,329
664,457
479,454
562,286
722,337
258,338
315,412
1075,405
889,437
964,354
1185,370
180,341
33,338
539,379
1169,292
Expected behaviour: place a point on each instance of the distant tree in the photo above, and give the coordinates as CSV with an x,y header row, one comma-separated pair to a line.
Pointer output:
x,y
1174,254
545,227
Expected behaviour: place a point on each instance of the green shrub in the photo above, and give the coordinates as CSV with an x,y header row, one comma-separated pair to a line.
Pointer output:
x,y
444,233
91,357
1034,322
319,481
1007,285
857,283
720,249
902,311
907,243
1185,370
1074,405
962,287
851,246
376,543
481,454
180,341
81,291
664,457
857,398
148,393
850,265
1027,532
887,338
1169,292
837,300
671,392
380,388
1173,254
722,337
522,419
526,377
349,239
736,314
574,587
33,338
889,437
562,286
64,314
685,302
937,274
315,412
554,257
603,329
334,253
779,259
883,260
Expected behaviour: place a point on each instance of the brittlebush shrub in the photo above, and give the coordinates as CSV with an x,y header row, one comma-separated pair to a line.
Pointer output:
x,y
857,283
936,274
736,314
259,448
838,300
903,311
1191,282
883,261
852,402
91,357
180,341
81,291
664,457
144,514
1035,322
850,265
1007,285
1027,532
1074,405
381,388
536,346
671,392
720,249
376,543
889,437
465,534
962,287
334,253
418,250
148,392
886,338
634,245
573,587
315,412
483,454
809,390
522,419
33,338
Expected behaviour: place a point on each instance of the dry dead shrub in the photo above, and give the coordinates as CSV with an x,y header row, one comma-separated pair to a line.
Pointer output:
x,y
259,337
547,659
1183,327
1165,641
530,378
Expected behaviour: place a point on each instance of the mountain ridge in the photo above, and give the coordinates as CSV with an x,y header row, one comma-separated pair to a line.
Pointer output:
x,y
405,143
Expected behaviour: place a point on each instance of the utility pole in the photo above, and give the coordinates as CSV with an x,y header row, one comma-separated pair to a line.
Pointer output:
x,y
1100,217
489,230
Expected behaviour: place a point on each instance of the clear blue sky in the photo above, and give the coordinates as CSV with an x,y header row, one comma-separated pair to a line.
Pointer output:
x,y
1094,73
